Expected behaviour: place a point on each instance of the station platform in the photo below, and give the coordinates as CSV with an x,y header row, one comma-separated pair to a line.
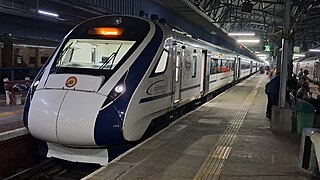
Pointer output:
x,y
226,138
10,116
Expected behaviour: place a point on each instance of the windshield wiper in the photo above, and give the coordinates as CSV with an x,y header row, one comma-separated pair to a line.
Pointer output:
x,y
112,57
59,62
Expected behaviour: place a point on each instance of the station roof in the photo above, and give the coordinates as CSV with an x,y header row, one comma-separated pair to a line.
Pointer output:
x,y
264,17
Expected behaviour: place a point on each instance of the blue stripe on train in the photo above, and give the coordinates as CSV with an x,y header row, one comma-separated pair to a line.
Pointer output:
x,y
107,131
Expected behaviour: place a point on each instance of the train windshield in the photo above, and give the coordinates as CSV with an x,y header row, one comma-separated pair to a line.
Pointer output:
x,y
93,53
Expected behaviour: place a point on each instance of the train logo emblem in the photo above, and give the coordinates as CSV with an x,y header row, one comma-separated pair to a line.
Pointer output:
x,y
71,81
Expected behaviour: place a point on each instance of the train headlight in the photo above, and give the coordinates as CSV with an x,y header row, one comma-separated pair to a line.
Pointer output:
x,y
119,89
116,92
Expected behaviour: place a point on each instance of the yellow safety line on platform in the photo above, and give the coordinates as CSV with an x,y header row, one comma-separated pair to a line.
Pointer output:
x,y
213,165
3,101
4,114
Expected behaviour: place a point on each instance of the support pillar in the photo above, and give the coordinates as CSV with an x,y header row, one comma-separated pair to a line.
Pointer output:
x,y
7,56
281,120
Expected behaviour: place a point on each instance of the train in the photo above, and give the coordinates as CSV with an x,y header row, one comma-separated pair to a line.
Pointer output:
x,y
111,76
312,64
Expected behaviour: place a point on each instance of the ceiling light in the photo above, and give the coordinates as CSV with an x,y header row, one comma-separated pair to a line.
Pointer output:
x,y
248,40
299,55
314,50
241,34
48,13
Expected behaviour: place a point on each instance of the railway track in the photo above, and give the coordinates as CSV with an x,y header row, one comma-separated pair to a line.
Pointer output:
x,y
55,169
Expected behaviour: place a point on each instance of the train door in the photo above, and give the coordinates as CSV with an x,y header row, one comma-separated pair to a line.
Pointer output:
x,y
204,85
251,67
238,68
177,76
235,73
316,71
298,68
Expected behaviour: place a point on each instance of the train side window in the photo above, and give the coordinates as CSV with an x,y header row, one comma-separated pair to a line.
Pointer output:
x,y
231,65
225,66
161,64
219,66
194,66
214,67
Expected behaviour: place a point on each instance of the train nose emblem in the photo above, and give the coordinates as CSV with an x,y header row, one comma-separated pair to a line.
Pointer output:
x,y
71,81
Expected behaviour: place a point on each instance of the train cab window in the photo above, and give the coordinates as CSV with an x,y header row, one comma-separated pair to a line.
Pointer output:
x,y
93,53
194,66
162,64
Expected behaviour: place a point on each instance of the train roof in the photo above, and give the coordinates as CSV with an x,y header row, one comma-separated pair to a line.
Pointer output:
x,y
307,59
203,42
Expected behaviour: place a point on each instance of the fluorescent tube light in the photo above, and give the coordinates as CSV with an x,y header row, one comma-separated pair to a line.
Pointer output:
x,y
314,50
299,55
241,34
48,13
248,40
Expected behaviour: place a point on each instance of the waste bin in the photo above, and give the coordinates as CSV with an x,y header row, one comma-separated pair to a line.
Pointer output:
x,y
305,115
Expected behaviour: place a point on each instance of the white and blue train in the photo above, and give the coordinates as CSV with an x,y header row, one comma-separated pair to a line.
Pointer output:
x,y
112,75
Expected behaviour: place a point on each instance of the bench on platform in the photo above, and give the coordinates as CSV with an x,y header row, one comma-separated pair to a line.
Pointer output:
x,y
15,90
315,138
310,149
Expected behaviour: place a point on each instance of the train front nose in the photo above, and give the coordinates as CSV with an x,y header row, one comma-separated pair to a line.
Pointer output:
x,y
65,117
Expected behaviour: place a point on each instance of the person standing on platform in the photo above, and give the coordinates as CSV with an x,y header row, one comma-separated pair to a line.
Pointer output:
x,y
293,85
300,73
304,92
305,77
270,74
272,91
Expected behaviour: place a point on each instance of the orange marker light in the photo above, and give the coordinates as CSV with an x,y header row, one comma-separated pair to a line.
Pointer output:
x,y
106,31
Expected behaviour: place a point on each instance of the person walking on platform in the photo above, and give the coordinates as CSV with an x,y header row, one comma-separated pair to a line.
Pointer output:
x,y
272,91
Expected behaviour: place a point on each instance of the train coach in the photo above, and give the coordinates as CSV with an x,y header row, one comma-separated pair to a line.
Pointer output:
x,y
312,64
112,75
